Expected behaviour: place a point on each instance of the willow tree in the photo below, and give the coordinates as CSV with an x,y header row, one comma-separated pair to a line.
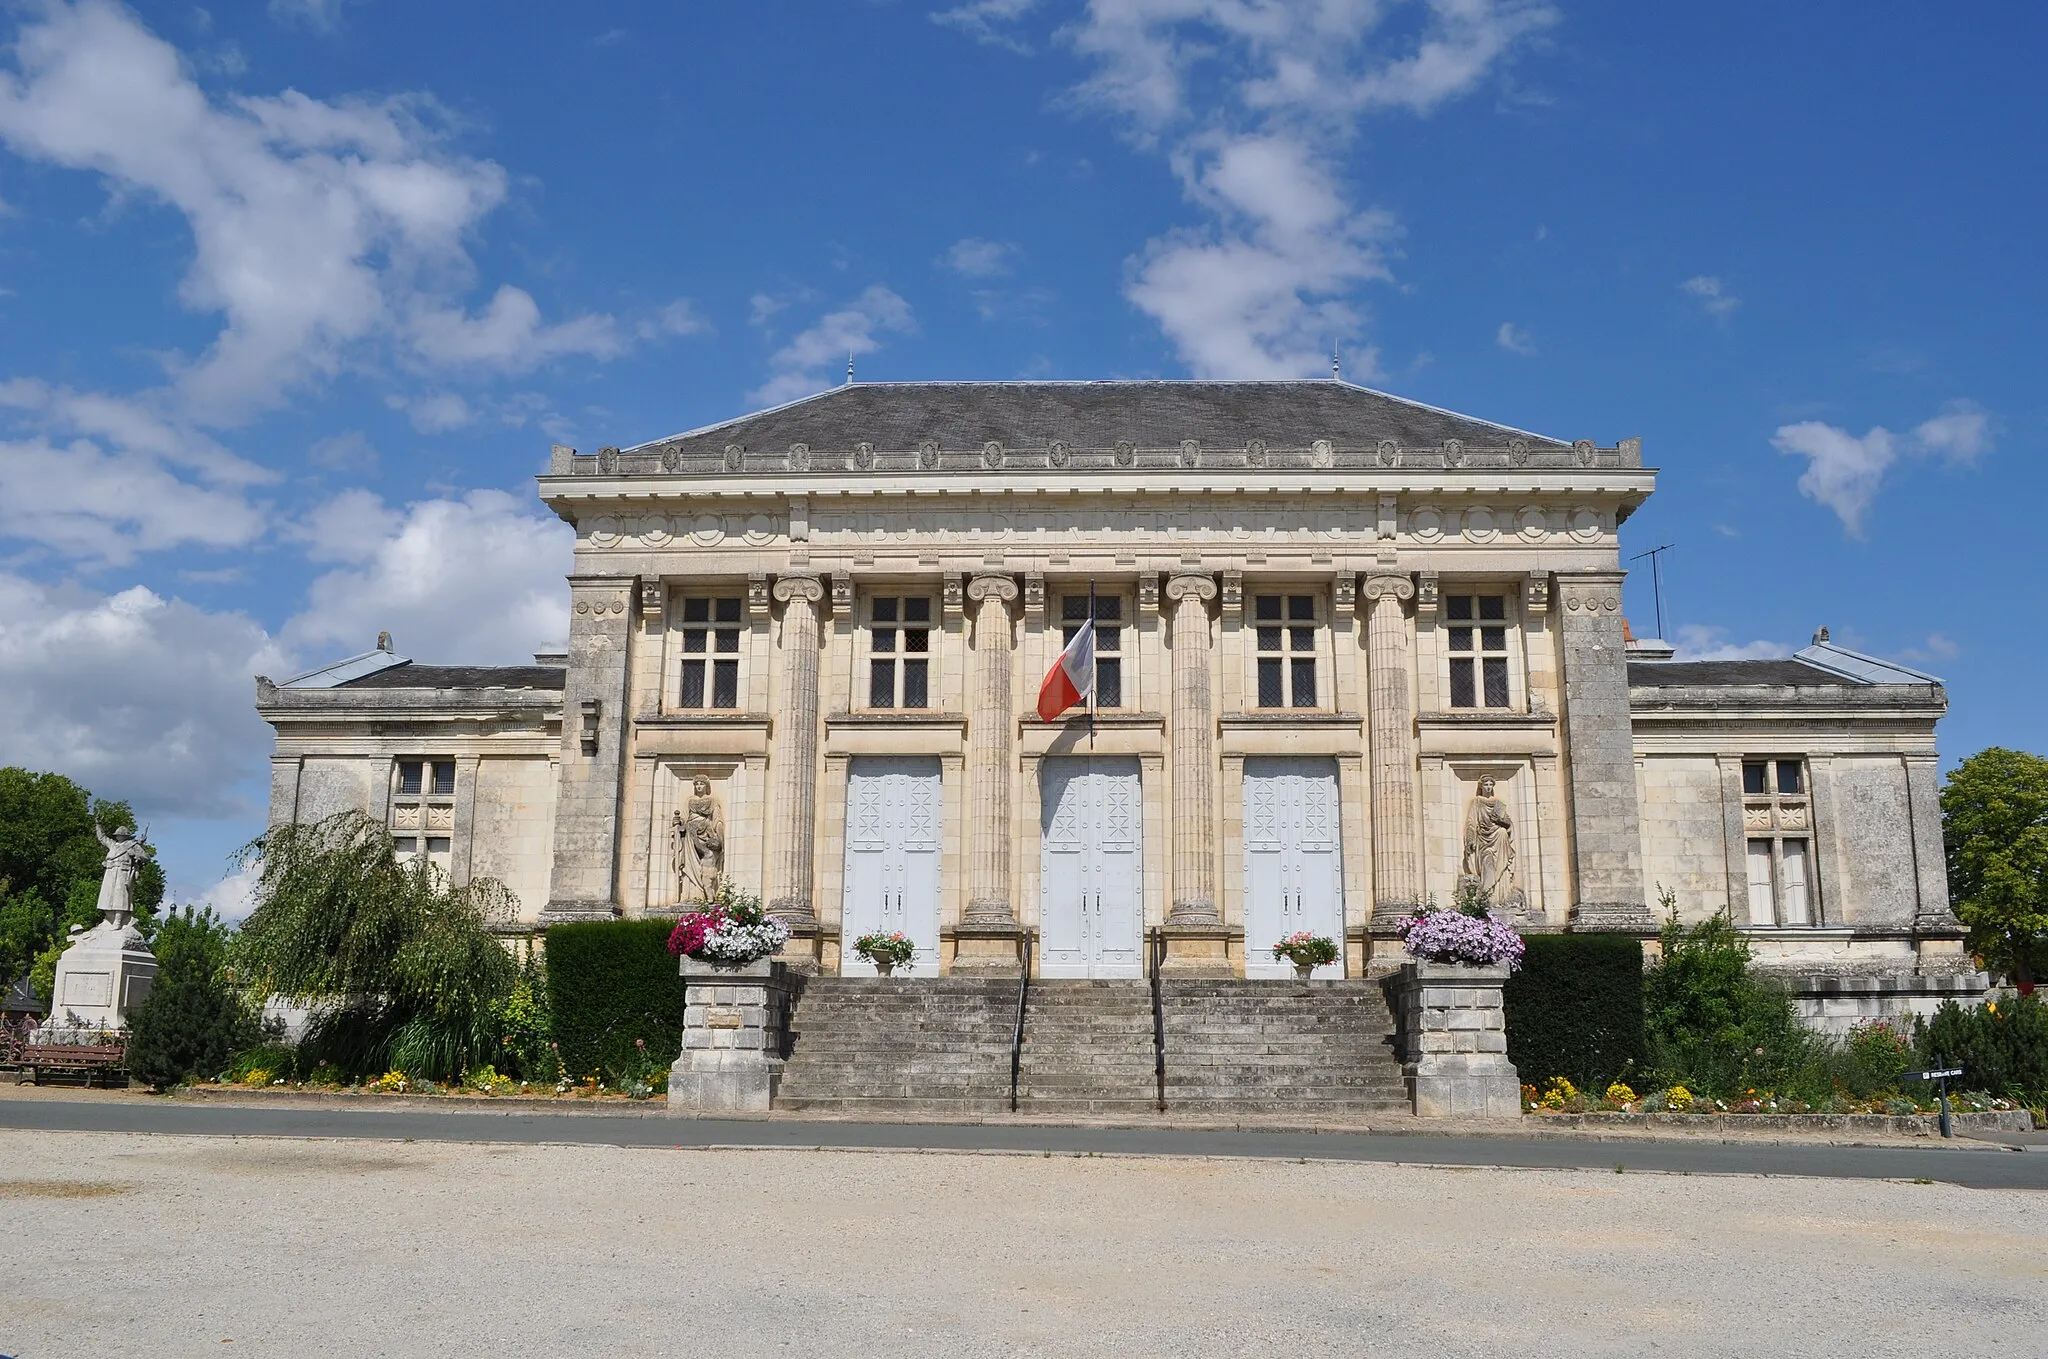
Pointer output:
x,y
399,964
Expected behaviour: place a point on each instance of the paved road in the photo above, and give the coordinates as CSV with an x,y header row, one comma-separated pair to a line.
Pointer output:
x,y
1972,1167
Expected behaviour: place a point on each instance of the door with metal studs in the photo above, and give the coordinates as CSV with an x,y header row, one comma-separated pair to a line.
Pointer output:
x,y
1090,910
892,858
1293,875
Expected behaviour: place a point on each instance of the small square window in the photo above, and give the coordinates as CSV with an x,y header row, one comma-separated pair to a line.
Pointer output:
x,y
1788,778
444,777
409,774
1754,776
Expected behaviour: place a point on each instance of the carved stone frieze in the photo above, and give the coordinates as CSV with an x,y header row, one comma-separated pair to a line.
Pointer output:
x,y
1233,590
1190,452
842,593
1034,592
1601,596
1536,592
608,461
799,457
1255,454
1387,453
735,456
863,457
1058,455
1426,590
953,592
992,455
1322,453
757,595
928,454
670,460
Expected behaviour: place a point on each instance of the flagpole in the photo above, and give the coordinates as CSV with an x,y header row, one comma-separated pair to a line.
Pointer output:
x,y
1093,668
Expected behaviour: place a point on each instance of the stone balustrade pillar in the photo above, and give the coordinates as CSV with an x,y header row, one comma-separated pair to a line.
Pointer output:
x,y
988,755
793,796
1390,709
1194,755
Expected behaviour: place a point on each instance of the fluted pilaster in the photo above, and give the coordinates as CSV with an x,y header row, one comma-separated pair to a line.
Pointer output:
x,y
1396,847
793,805
988,754
1193,741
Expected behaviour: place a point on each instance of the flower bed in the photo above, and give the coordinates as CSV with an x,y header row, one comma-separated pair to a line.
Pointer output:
x,y
1560,1096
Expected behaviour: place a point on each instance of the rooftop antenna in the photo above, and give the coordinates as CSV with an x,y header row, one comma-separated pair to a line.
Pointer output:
x,y
849,367
1656,580
1336,366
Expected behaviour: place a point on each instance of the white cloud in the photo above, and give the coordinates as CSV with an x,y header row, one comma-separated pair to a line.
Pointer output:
x,y
479,580
1959,433
1697,643
1938,646
973,257
234,896
349,451
1714,297
322,16
677,318
1844,471
985,21
508,335
805,364
1254,104
133,695
434,412
1514,339
1258,294
321,230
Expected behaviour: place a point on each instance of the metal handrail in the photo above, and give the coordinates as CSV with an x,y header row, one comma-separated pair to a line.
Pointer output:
x,y
1155,950
1017,1033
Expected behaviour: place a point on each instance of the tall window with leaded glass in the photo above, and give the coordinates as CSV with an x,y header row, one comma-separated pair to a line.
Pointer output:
x,y
899,651
1777,816
1109,661
1476,636
1286,627
711,653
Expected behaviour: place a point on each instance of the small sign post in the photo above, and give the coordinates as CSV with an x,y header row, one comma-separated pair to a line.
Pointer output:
x,y
1940,1078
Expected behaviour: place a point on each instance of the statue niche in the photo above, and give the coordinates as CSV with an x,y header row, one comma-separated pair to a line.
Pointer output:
x,y
1488,864
697,844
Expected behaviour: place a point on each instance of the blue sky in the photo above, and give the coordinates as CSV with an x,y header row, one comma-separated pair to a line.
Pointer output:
x,y
293,300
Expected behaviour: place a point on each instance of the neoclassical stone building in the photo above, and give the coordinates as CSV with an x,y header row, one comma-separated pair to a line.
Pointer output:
x,y
1352,653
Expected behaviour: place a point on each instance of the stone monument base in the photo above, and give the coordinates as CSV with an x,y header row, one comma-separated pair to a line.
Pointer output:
x,y
1453,1040
734,1023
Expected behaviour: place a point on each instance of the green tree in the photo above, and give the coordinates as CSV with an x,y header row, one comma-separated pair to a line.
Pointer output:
x,y
1994,825
194,1020
404,964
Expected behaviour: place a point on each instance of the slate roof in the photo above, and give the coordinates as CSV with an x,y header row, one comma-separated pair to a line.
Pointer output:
x,y
1664,674
898,415
412,675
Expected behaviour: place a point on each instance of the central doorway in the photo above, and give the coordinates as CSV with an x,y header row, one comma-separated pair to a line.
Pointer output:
x,y
892,858
1090,909
1293,878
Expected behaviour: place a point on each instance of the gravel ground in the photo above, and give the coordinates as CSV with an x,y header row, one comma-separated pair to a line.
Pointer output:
x,y
132,1245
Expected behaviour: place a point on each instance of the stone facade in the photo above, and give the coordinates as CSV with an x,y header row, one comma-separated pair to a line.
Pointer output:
x,y
1324,617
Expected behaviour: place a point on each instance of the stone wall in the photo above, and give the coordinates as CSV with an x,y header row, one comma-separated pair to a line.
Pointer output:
x,y
513,831
1876,882
1834,1004
1684,840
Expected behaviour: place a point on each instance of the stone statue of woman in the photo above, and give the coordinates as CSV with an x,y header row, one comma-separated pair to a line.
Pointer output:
x,y
1489,862
697,839
125,853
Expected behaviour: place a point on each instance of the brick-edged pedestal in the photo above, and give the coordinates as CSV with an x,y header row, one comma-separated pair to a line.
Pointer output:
x,y
1452,1039
734,1019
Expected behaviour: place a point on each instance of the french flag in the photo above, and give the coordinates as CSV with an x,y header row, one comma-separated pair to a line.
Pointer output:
x,y
1072,677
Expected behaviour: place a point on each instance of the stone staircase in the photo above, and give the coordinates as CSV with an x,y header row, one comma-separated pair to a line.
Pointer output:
x,y
882,1045
863,1045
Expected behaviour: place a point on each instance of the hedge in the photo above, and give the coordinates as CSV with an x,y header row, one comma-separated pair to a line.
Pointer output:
x,y
1575,1009
610,982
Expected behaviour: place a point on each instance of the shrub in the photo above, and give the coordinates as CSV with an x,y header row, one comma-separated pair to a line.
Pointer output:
x,y
407,960
193,1021
2002,1046
1576,1008
1715,1029
1878,1055
276,1061
609,983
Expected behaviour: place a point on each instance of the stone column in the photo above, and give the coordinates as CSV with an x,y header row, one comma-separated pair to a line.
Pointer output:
x,y
583,882
1194,755
1390,714
1936,931
792,804
1607,842
988,754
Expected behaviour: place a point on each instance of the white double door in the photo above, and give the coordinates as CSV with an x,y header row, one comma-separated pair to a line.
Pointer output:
x,y
1293,877
892,857
1090,910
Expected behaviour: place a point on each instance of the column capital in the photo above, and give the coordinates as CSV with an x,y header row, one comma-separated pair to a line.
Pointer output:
x,y
1590,592
992,586
1190,585
1388,585
799,585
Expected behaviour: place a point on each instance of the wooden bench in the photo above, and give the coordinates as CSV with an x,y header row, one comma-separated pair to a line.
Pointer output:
x,y
90,1058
